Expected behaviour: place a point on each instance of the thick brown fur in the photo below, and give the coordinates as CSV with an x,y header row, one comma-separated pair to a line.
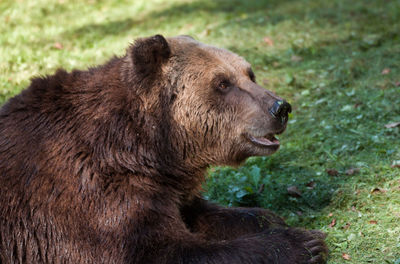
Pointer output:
x,y
106,165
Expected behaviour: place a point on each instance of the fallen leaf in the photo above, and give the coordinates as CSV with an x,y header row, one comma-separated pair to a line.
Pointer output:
x,y
346,226
332,172
352,171
395,164
268,41
392,125
330,215
294,191
295,58
58,45
188,25
333,223
373,222
385,71
205,32
397,84
346,256
353,208
311,185
378,190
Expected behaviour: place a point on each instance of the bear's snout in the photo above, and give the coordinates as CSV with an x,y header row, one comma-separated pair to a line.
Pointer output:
x,y
280,110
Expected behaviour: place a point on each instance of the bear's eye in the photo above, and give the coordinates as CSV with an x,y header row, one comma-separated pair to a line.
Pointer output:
x,y
252,76
224,86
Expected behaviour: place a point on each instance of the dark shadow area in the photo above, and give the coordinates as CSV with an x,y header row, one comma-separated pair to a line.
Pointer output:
x,y
238,187
270,11
116,27
176,13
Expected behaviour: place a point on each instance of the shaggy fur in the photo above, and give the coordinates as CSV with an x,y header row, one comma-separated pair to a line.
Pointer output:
x,y
106,165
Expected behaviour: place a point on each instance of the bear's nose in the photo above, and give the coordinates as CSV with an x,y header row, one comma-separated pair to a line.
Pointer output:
x,y
280,110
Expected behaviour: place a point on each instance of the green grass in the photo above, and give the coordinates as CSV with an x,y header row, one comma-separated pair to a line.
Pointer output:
x,y
327,59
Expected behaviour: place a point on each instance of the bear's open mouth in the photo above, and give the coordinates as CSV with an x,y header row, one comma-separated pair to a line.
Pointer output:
x,y
268,140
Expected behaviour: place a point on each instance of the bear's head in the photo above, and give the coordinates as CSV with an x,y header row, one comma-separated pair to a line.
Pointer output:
x,y
212,109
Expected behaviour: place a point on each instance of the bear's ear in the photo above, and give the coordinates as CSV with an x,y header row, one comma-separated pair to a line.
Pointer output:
x,y
148,54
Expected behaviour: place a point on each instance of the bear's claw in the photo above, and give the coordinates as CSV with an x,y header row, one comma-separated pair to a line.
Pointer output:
x,y
316,247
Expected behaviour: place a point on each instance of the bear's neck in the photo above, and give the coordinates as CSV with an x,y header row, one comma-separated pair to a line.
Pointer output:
x,y
105,132
128,132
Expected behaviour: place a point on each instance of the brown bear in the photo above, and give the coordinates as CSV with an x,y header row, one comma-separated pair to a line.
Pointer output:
x,y
106,165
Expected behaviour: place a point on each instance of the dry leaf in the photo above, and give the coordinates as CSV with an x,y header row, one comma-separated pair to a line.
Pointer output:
x,y
346,256
294,191
276,64
346,226
332,172
352,171
333,223
378,190
296,58
373,222
205,32
268,41
311,185
330,215
385,71
392,125
58,45
395,164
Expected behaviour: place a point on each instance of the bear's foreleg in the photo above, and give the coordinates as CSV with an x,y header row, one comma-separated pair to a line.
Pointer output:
x,y
275,246
220,223
236,225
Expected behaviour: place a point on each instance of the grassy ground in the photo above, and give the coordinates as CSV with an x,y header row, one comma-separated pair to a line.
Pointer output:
x,y
337,62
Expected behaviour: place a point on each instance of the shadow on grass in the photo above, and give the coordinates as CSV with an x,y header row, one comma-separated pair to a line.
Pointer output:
x,y
239,11
176,13
116,27
264,182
